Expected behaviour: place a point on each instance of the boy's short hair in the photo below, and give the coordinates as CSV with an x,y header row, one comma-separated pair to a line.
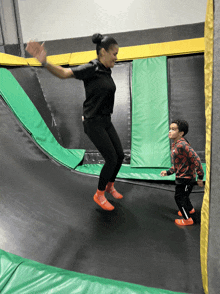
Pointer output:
x,y
183,125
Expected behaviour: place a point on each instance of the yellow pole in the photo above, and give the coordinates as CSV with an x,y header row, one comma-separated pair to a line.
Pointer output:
x,y
208,70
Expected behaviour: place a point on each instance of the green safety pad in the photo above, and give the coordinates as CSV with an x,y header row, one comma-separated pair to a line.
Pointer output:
x,y
150,120
32,121
23,276
128,172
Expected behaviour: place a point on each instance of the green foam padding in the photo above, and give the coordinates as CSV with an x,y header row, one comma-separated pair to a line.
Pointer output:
x,y
128,172
32,121
150,145
24,276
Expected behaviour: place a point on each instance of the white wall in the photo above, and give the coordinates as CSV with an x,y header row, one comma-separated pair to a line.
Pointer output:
x,y
61,19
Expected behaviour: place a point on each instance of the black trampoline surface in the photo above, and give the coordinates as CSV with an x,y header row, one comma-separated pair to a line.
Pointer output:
x,y
47,214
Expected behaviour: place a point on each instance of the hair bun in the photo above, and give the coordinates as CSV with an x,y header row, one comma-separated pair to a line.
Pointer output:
x,y
97,38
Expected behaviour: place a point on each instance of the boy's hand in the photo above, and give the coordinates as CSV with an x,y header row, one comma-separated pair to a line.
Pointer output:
x,y
200,183
163,173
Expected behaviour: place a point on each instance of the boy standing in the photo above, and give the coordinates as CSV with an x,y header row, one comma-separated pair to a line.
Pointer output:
x,y
186,163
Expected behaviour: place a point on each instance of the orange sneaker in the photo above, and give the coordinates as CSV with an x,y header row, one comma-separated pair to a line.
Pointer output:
x,y
103,202
184,222
191,212
111,189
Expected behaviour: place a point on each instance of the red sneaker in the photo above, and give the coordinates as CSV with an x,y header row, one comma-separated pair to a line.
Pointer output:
x,y
191,212
103,202
184,222
111,189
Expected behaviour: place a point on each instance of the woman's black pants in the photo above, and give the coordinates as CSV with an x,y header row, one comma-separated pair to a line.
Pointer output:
x,y
102,133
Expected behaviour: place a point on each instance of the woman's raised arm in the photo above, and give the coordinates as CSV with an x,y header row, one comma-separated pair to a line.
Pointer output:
x,y
38,51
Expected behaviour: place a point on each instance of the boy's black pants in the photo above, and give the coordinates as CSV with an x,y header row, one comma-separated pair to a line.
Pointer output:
x,y
102,133
182,192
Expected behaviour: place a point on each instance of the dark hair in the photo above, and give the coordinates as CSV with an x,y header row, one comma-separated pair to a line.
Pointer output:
x,y
103,42
183,125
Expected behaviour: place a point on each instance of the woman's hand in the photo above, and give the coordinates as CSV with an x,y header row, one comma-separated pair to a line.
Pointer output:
x,y
163,173
37,51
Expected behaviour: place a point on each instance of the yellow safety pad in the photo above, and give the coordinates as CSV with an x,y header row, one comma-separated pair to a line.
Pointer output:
x,y
82,57
33,62
12,60
189,46
62,59
208,112
162,49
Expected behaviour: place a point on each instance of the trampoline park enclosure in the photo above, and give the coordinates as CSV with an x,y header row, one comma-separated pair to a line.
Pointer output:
x,y
155,83
151,93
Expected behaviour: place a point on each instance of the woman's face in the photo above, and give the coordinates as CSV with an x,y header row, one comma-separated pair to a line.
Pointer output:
x,y
108,58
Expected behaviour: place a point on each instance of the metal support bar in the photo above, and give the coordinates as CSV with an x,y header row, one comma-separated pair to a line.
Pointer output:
x,y
18,25
1,29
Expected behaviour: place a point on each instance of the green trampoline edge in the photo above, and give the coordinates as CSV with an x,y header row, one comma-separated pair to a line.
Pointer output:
x,y
27,114
128,172
26,276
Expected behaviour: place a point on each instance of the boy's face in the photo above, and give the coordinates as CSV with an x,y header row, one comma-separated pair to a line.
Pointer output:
x,y
174,132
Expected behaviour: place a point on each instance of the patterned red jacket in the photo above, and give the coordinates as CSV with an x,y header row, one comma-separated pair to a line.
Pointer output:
x,y
186,162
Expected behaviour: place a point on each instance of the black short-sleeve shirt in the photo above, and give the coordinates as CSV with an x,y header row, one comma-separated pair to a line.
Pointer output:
x,y
99,88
